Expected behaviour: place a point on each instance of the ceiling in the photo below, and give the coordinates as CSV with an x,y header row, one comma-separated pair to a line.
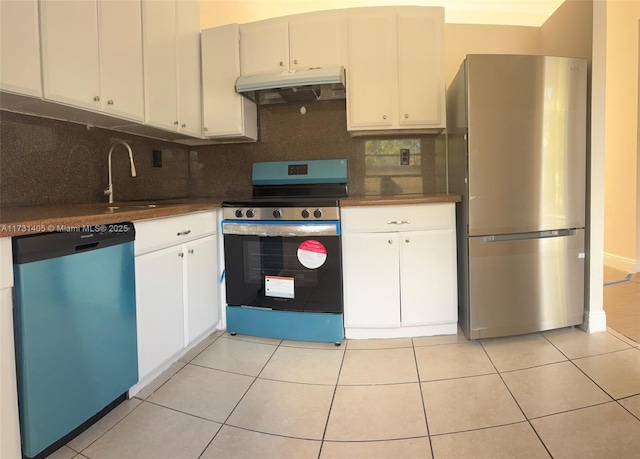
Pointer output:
x,y
508,12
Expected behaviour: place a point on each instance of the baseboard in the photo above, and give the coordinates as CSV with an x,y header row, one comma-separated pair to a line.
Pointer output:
x,y
627,265
594,321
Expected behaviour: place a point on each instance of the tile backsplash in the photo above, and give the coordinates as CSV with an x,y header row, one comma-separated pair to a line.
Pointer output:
x,y
45,161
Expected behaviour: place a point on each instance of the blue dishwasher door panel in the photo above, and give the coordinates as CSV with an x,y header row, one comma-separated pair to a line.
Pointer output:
x,y
76,347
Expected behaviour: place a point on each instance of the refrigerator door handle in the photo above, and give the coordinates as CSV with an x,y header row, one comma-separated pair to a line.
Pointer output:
x,y
525,236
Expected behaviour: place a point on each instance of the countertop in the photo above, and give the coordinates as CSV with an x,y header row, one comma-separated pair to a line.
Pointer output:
x,y
20,221
399,199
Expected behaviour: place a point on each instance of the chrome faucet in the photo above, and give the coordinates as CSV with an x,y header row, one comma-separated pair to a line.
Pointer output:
x,y
109,190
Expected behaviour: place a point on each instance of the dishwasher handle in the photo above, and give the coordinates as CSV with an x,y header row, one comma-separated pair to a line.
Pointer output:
x,y
44,246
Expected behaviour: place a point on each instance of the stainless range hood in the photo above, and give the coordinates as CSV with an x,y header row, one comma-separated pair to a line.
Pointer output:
x,y
305,85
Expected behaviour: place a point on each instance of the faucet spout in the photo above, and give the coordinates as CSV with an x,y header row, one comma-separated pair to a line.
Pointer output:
x,y
109,190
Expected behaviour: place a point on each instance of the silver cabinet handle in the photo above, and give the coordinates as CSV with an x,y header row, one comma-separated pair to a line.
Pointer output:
x,y
176,123
406,115
295,61
281,64
180,254
183,233
398,222
206,129
406,240
110,102
390,241
384,117
96,98
191,251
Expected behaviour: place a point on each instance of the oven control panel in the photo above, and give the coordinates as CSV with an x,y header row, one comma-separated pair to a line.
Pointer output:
x,y
281,213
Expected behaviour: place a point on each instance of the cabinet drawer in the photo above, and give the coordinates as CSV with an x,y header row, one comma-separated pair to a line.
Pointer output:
x,y
397,218
157,233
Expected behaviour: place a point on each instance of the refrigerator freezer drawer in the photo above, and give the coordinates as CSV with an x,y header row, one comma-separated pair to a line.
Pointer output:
x,y
525,285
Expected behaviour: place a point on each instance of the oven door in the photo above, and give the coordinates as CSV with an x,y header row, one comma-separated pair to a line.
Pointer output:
x,y
283,265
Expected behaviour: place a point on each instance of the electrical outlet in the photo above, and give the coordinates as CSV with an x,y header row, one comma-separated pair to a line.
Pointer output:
x,y
157,158
405,157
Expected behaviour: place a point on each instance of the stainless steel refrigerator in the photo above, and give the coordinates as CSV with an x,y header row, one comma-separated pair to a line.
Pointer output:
x,y
517,154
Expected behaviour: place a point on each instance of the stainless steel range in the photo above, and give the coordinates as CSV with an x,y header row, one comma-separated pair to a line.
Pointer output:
x,y
283,267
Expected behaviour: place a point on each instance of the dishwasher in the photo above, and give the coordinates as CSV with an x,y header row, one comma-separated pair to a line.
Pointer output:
x,y
75,330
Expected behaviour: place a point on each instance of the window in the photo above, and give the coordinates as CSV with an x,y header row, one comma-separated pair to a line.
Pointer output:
x,y
386,172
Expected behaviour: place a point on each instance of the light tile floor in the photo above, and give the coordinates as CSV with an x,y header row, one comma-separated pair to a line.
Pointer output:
x,y
561,394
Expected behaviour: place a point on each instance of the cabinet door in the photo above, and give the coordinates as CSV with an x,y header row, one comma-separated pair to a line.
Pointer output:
x,y
264,47
159,307
189,72
70,59
371,280
421,68
316,40
20,48
371,75
160,69
428,277
226,113
201,281
120,31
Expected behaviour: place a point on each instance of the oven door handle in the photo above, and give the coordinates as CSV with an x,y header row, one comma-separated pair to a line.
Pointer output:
x,y
281,229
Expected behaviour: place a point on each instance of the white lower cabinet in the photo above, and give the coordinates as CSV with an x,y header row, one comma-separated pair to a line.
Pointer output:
x,y
200,287
177,286
159,308
399,267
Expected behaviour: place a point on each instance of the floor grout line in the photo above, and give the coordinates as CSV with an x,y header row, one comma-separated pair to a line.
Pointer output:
x,y
420,383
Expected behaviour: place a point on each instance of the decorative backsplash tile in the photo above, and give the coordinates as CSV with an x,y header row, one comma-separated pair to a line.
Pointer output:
x,y
45,161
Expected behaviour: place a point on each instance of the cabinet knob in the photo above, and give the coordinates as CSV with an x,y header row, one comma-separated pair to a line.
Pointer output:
x,y
180,254
191,251
96,98
183,233
295,61
281,64
406,115
206,129
184,126
406,240
384,117
175,123
110,102
390,241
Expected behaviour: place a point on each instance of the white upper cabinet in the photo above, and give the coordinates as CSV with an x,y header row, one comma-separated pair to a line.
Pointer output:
x,y
20,48
317,39
227,114
395,73
120,35
264,47
70,56
371,74
171,39
160,68
189,68
92,55
294,42
421,87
